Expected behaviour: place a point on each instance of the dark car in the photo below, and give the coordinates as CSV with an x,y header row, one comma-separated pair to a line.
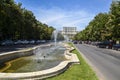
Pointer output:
x,y
105,44
79,42
116,47
75,42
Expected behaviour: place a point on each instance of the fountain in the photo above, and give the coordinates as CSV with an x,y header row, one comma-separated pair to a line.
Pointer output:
x,y
66,38
57,37
54,36
44,57
44,61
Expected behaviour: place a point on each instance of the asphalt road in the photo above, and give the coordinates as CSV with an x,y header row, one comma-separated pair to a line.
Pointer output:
x,y
105,62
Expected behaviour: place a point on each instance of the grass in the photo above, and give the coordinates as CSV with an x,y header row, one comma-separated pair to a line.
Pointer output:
x,y
80,71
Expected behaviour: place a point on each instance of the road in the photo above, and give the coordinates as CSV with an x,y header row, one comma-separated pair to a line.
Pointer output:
x,y
105,62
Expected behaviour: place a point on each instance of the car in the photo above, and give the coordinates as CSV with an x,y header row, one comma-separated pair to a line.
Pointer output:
x,y
7,42
116,47
18,42
43,41
74,42
105,44
21,42
40,41
94,43
32,41
80,42
25,42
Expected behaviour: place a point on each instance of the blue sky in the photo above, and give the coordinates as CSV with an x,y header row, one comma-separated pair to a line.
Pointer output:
x,y
72,13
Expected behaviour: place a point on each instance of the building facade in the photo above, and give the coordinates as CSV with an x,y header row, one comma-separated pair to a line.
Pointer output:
x,y
69,32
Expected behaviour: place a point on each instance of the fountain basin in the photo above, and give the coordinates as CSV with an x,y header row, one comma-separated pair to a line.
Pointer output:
x,y
4,57
71,58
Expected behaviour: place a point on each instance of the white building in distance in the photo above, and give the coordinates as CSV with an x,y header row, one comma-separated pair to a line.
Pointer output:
x,y
70,32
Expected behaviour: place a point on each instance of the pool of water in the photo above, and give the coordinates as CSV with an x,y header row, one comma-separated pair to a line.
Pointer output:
x,y
43,58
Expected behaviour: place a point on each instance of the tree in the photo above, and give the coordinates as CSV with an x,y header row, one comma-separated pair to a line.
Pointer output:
x,y
114,19
19,23
96,29
104,26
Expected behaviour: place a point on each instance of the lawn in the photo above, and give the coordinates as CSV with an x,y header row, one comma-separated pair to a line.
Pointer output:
x,y
80,71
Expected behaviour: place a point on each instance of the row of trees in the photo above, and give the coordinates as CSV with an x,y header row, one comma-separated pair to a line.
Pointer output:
x,y
104,26
19,23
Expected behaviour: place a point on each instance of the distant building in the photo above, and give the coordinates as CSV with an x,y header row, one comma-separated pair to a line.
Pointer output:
x,y
69,32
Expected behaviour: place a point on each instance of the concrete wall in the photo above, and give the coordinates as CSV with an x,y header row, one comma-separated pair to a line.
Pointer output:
x,y
4,57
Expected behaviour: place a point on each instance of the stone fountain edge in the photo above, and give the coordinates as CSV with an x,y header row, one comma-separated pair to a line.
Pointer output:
x,y
71,58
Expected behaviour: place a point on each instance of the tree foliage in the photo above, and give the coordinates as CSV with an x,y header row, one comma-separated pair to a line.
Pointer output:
x,y
20,23
104,26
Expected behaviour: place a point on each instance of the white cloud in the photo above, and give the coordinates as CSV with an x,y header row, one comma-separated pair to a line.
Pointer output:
x,y
58,17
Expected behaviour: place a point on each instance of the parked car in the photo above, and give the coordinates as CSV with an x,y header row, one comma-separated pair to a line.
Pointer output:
x,y
75,42
94,43
105,44
21,42
18,42
7,42
80,42
40,41
116,47
32,41
25,42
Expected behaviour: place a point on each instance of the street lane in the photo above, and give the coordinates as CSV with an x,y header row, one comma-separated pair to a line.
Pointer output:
x,y
106,61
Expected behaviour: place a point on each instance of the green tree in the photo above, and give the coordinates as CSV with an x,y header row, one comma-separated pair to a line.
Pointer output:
x,y
114,20
20,23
